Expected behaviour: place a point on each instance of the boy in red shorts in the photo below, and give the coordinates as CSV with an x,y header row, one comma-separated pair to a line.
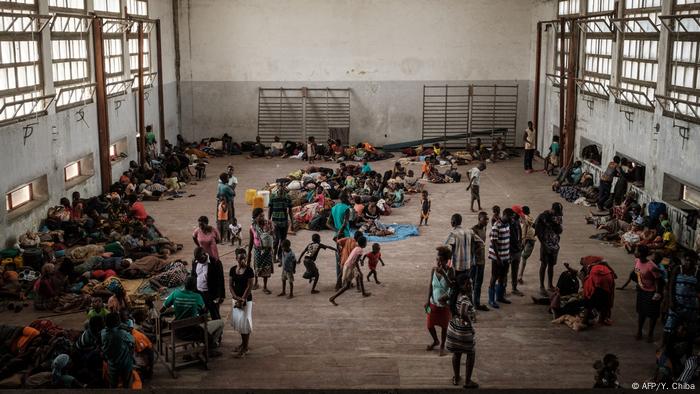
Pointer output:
x,y
373,258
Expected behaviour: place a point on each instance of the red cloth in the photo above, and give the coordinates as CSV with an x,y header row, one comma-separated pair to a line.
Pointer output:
x,y
109,274
373,260
439,316
599,277
138,211
518,210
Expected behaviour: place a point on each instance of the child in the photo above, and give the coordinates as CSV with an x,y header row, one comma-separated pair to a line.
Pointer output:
x,y
289,266
373,258
234,232
97,308
311,150
311,252
424,208
201,169
222,218
366,168
552,161
351,270
474,185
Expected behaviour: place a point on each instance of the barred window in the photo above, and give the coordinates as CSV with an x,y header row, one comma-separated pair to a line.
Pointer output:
x,y
67,4
600,6
639,63
21,85
569,7
137,7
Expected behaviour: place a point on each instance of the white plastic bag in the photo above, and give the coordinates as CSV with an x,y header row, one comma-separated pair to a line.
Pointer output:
x,y
242,318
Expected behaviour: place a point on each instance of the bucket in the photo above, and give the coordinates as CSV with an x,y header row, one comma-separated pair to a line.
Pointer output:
x,y
266,197
250,195
258,202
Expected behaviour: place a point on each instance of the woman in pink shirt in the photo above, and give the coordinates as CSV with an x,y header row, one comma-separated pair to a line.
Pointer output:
x,y
351,270
206,237
648,298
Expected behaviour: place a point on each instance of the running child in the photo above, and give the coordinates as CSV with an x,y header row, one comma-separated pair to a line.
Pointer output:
x,y
351,270
289,266
373,258
424,208
311,252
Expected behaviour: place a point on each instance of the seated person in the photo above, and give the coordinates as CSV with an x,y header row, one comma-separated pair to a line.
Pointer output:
x,y
276,148
188,303
259,150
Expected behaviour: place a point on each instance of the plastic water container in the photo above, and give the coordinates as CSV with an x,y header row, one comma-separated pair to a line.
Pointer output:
x,y
265,194
250,195
258,202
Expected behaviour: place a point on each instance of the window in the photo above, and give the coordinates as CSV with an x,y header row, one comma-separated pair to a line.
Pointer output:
x,y
684,62
569,7
69,53
566,8
71,171
690,195
67,4
107,6
137,7
19,197
639,63
118,150
113,150
600,6
21,87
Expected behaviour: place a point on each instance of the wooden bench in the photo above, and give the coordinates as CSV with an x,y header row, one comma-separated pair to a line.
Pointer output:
x,y
168,344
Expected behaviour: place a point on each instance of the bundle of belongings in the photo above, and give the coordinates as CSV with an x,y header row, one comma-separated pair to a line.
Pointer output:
x,y
332,150
369,194
476,151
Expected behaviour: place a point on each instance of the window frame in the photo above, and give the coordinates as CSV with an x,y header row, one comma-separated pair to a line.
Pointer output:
x,y
635,84
9,206
684,188
31,96
78,175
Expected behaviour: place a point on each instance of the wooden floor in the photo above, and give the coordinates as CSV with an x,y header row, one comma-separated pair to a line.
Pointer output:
x,y
379,342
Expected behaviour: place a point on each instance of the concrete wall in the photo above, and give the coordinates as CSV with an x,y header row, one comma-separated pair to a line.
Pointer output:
x,y
60,138
605,124
384,50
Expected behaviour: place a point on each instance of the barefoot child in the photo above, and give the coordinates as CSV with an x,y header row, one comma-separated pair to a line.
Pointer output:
x,y
373,258
311,252
351,270
234,230
289,265
474,184
424,208
222,219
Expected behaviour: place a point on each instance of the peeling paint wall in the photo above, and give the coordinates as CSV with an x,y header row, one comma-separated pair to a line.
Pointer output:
x,y
384,50
46,152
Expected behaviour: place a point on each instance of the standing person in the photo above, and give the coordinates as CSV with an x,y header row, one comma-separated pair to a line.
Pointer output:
x,y
280,213
648,295
311,150
344,247
241,285
351,270
226,192
499,254
548,230
117,347
232,183
442,278
260,245
530,140
606,180
210,281
341,216
310,254
424,208
479,253
222,219
516,250
683,290
528,232
373,259
460,334
289,267
474,183
460,241
496,214
206,237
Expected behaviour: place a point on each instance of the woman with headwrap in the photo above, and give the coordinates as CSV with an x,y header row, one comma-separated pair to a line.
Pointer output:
x,y
598,288
59,377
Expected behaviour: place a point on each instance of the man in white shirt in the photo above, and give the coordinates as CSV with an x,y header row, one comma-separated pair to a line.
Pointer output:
x,y
530,139
474,183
